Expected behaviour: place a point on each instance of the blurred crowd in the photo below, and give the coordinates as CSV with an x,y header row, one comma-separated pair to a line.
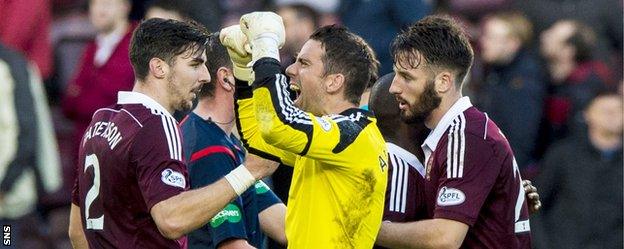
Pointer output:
x,y
549,72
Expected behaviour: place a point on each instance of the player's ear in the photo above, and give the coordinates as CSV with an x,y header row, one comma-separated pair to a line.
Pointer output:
x,y
225,78
443,81
158,68
334,82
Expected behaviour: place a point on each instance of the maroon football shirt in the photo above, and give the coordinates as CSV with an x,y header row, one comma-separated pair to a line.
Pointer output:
x,y
471,177
130,159
404,193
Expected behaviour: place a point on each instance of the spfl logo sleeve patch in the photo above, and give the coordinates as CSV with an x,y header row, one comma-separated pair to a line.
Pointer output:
x,y
230,213
173,178
450,197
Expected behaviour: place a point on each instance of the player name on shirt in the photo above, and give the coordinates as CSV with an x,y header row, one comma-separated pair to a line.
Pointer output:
x,y
107,130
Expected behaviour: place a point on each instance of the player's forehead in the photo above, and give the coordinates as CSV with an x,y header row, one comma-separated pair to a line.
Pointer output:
x,y
192,53
312,50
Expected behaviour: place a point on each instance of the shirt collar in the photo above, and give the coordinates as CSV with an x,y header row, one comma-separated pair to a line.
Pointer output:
x,y
434,137
124,97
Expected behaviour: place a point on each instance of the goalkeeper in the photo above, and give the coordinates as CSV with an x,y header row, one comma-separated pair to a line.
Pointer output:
x,y
338,154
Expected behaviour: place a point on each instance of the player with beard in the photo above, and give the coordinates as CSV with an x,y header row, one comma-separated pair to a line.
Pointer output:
x,y
131,179
474,197
338,154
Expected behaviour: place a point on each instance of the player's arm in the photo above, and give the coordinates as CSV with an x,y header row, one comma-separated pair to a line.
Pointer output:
x,y
272,214
76,234
433,233
280,122
225,233
189,210
249,132
272,222
238,50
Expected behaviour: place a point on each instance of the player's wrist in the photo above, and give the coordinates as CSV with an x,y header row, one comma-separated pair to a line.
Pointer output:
x,y
265,45
240,179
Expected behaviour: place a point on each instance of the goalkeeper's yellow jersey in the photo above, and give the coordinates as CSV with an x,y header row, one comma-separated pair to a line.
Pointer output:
x,y
336,197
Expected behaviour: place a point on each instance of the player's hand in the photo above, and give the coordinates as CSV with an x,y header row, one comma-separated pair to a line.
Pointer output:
x,y
239,51
260,167
265,32
533,199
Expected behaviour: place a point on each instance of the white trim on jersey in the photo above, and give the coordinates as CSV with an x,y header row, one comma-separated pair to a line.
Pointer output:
x,y
172,134
456,148
401,160
410,158
290,112
117,111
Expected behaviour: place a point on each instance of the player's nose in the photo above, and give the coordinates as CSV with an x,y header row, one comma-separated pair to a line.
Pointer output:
x,y
204,76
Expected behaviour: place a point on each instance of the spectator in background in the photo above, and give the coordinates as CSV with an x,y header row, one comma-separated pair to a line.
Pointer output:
x,y
300,21
581,184
603,16
25,27
29,162
105,68
166,9
575,77
378,22
514,85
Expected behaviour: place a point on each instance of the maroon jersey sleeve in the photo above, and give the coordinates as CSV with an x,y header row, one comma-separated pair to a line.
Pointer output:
x,y
157,154
468,169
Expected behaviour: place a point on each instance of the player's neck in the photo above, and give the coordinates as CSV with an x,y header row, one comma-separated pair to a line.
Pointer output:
x,y
446,103
149,89
216,112
336,106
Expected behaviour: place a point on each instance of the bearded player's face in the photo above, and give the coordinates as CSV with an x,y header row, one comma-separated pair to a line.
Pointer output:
x,y
414,89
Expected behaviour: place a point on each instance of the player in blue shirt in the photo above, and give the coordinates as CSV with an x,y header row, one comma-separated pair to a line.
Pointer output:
x,y
212,151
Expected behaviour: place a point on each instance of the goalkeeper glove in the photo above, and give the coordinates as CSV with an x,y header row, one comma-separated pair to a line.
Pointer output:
x,y
265,32
239,51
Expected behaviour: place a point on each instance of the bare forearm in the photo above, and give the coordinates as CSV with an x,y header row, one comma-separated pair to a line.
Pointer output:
x,y
190,210
76,234
422,234
272,222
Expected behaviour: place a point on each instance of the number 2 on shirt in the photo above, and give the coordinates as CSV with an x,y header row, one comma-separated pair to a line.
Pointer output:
x,y
94,191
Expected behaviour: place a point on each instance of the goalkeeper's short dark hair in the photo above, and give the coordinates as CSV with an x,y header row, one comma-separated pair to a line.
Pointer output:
x,y
348,54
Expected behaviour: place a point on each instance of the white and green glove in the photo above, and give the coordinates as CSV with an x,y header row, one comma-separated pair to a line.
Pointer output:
x,y
239,51
265,32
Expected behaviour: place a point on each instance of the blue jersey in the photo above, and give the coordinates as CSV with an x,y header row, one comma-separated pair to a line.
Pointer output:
x,y
211,154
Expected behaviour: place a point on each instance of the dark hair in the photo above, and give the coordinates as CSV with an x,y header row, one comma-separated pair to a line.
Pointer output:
x,y
438,40
350,55
583,39
170,5
304,11
216,57
164,39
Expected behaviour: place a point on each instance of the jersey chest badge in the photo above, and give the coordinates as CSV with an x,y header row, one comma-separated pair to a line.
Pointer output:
x,y
428,170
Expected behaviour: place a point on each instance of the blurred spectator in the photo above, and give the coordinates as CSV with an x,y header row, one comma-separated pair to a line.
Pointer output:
x,y
25,27
472,10
166,9
234,9
300,21
575,77
514,85
210,13
581,184
105,67
378,22
603,16
29,161
320,6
